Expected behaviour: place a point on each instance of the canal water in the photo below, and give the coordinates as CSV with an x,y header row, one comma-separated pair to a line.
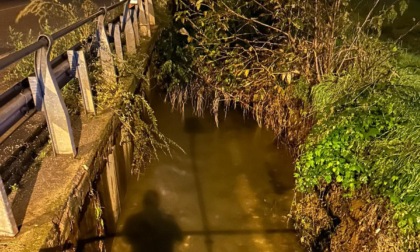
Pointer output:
x,y
230,191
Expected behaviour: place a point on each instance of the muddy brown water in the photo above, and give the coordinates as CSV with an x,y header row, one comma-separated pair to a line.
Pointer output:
x,y
231,190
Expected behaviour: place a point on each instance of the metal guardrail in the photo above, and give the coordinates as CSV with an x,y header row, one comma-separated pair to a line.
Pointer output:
x,y
13,57
42,92
17,101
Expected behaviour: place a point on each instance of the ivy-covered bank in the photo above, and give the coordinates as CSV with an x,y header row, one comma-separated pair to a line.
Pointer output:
x,y
322,77
365,146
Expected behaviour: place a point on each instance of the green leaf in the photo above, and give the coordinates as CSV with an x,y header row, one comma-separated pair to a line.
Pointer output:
x,y
328,178
198,4
403,6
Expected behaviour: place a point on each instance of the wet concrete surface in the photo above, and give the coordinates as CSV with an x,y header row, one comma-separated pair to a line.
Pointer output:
x,y
9,10
27,25
231,191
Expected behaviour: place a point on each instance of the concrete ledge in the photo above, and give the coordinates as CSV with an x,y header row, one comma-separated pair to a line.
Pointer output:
x,y
17,153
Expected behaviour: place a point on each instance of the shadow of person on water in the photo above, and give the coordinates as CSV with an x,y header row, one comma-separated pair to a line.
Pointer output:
x,y
152,230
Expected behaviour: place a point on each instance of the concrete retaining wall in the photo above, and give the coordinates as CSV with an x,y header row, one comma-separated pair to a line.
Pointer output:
x,y
63,201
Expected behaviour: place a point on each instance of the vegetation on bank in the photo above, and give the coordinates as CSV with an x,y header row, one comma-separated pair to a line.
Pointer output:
x,y
321,78
138,122
371,138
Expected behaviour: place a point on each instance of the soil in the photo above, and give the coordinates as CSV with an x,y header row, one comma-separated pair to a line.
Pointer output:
x,y
332,221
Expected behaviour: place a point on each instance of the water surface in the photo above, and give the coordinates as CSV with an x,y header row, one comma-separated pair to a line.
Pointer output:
x,y
231,191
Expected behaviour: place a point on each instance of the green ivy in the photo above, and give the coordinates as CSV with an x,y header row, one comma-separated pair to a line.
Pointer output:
x,y
370,138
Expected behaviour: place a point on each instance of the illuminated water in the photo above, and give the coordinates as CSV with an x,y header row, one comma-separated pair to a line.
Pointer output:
x,y
222,193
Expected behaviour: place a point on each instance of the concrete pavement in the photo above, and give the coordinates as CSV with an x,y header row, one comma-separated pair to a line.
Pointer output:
x,y
8,12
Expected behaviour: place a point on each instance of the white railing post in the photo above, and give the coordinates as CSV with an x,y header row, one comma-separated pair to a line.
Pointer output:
x,y
150,12
78,67
47,96
130,39
7,220
117,41
134,14
144,24
107,61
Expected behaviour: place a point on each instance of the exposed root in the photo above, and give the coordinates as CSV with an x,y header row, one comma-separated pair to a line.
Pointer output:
x,y
332,221
312,221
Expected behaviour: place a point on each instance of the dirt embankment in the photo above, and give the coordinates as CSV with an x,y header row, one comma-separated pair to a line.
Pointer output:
x,y
330,220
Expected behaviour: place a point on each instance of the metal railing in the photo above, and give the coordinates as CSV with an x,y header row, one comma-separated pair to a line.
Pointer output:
x,y
42,91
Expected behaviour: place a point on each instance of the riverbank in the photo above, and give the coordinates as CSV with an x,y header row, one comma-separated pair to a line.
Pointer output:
x,y
344,99
360,165
331,221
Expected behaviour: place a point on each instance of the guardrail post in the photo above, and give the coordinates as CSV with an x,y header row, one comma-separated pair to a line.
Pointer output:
x,y
117,41
130,39
135,12
107,62
7,220
47,96
110,29
78,67
150,11
144,24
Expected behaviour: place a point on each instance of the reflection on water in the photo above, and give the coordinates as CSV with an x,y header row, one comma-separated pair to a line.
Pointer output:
x,y
230,192
152,229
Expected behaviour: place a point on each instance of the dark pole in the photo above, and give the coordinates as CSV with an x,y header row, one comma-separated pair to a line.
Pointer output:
x,y
208,240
